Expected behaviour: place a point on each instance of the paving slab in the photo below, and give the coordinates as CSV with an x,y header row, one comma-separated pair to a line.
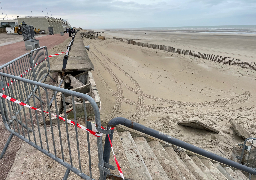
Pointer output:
x,y
213,169
241,175
199,124
150,159
121,158
198,173
232,173
73,64
135,160
182,167
165,160
223,171
204,168
75,82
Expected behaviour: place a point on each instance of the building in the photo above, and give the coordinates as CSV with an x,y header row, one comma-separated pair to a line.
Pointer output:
x,y
40,22
43,22
12,23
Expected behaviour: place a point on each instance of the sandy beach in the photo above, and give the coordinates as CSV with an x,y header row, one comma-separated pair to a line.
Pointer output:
x,y
239,46
159,89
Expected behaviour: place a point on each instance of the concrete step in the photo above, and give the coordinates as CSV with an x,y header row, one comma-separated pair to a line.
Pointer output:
x,y
155,169
235,174
231,173
180,164
204,168
223,171
241,175
213,169
171,169
121,158
135,160
198,173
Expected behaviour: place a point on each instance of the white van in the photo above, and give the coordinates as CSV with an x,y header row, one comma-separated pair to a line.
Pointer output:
x,y
9,30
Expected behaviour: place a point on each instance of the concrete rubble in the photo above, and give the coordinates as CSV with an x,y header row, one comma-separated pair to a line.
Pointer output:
x,y
239,130
199,124
94,35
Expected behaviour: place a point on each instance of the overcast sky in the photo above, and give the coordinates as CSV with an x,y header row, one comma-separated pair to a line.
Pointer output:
x,y
100,14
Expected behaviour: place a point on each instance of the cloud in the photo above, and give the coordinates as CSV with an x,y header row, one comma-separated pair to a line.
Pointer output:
x,y
209,2
137,13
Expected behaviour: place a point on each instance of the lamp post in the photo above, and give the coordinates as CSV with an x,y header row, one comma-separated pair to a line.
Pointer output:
x,y
5,16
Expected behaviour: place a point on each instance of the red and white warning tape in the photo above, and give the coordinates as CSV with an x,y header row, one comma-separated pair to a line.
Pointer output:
x,y
93,131
57,54
41,62
97,134
24,73
117,164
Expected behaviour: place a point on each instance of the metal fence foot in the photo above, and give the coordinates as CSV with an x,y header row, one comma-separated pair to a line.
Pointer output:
x,y
66,174
6,146
51,78
30,130
39,99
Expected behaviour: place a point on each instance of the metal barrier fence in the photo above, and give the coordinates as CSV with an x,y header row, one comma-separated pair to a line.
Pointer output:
x,y
48,130
29,113
33,65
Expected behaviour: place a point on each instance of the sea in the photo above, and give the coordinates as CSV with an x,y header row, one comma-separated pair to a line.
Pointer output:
x,y
226,29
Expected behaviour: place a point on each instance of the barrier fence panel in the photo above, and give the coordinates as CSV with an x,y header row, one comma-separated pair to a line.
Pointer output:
x,y
29,113
33,65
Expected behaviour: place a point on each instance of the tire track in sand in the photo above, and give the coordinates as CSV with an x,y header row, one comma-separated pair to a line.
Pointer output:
x,y
143,110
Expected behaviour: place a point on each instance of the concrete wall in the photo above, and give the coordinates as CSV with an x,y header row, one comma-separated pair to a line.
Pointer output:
x,y
37,22
44,22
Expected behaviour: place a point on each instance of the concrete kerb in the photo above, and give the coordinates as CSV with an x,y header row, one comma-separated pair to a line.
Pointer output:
x,y
85,76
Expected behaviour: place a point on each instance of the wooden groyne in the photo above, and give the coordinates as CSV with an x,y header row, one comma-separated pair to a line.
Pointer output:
x,y
211,57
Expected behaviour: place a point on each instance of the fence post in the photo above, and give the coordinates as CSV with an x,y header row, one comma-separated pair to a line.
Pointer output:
x,y
32,65
107,148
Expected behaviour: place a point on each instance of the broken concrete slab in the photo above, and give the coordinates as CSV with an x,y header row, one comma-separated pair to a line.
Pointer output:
x,y
82,77
82,89
69,100
75,82
79,109
199,124
67,80
239,130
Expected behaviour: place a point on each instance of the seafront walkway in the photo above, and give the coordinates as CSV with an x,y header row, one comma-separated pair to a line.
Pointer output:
x,y
16,49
